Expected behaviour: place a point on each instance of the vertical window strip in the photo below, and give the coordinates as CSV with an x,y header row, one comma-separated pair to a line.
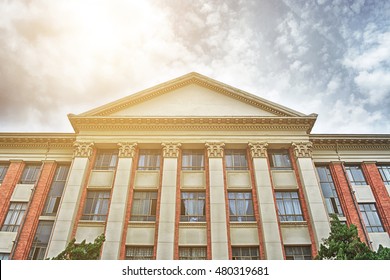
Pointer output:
x,y
329,192
56,189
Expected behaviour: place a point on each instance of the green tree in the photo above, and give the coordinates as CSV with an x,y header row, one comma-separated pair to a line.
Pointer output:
x,y
82,251
343,243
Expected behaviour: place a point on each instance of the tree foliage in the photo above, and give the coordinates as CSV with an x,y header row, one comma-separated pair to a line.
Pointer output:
x,y
344,243
82,251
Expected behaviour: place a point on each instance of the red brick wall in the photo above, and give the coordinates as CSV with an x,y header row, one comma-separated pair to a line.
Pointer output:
x,y
346,199
7,187
37,203
379,190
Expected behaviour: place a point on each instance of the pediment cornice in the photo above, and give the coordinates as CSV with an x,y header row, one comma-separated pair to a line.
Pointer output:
x,y
191,123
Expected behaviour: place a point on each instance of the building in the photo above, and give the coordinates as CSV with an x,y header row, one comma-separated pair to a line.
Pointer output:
x,y
190,169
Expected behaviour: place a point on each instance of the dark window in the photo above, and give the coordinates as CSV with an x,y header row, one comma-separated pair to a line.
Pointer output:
x,y
96,206
329,191
144,206
241,206
236,160
149,160
139,253
106,160
41,240
245,253
192,253
193,207
384,170
57,187
3,171
298,252
289,208
30,174
14,216
355,175
279,159
371,218
192,160
4,256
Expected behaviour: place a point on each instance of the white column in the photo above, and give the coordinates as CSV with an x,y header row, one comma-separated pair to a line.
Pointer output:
x,y
166,226
117,214
67,210
266,203
219,232
312,190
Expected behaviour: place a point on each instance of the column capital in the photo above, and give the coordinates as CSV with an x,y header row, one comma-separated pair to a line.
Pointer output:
x,y
302,149
258,149
83,149
126,150
215,150
171,150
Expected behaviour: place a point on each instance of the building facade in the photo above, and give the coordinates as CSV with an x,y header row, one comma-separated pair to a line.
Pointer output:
x,y
190,169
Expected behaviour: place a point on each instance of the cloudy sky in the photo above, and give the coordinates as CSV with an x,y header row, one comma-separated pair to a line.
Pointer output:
x,y
330,57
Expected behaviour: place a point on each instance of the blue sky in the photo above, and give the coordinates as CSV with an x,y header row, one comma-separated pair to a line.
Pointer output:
x,y
330,57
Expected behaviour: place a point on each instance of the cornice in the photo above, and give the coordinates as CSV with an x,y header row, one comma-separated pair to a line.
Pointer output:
x,y
192,123
350,142
37,140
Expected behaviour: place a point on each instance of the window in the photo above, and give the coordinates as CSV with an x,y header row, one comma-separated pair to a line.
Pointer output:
x,y
149,160
298,252
192,160
245,253
56,189
329,191
14,216
144,206
30,174
279,159
106,160
41,239
193,207
139,253
355,175
4,256
289,208
236,160
96,206
192,253
384,170
241,206
3,171
371,217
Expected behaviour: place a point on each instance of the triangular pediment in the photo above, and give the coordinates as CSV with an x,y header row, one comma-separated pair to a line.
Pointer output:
x,y
192,95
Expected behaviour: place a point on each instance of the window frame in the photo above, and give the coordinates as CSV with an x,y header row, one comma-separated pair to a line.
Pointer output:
x,y
370,217
236,160
96,208
195,197
15,214
237,253
303,256
192,250
26,178
192,160
149,160
233,198
150,249
284,163
352,174
284,217
151,198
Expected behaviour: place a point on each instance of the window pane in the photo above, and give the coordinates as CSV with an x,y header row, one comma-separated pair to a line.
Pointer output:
x,y
192,160
149,160
3,171
384,170
14,216
192,253
106,160
41,240
144,206
241,206
245,253
30,174
289,208
297,252
355,175
96,206
139,253
370,217
279,159
193,207
236,160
